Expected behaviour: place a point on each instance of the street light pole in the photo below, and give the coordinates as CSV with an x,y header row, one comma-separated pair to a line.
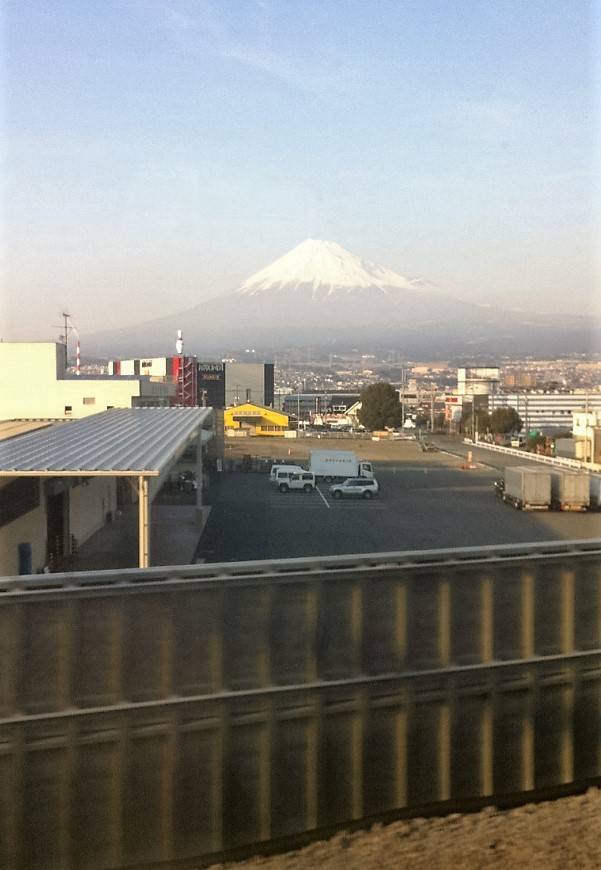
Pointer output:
x,y
402,397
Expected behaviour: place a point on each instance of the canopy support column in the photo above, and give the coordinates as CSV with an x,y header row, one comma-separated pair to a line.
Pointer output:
x,y
143,523
199,477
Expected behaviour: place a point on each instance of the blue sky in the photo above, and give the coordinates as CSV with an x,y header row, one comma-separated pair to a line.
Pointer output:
x,y
160,152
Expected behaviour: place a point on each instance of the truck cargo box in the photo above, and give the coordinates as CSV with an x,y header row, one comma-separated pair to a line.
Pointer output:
x,y
569,490
338,464
528,488
594,488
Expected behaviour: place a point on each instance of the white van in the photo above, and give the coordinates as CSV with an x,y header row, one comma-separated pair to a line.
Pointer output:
x,y
302,480
280,473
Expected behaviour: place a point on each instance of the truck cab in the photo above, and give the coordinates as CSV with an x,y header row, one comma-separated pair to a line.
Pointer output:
x,y
366,469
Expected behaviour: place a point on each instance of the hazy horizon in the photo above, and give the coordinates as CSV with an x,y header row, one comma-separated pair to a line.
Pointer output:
x,y
159,154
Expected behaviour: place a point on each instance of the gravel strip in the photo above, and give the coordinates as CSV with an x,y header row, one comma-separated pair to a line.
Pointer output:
x,y
556,835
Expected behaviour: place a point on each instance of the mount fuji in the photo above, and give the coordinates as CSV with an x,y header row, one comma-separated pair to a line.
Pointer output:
x,y
322,295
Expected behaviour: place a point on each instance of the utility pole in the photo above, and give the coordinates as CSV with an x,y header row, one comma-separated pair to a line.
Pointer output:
x,y
64,335
402,397
432,408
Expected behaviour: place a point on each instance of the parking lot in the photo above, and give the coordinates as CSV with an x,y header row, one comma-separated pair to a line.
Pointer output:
x,y
422,504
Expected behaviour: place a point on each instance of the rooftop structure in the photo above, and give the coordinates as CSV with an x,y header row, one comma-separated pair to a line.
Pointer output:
x,y
34,384
478,381
125,441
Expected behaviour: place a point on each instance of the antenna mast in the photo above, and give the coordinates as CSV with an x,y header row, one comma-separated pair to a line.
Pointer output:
x,y
64,336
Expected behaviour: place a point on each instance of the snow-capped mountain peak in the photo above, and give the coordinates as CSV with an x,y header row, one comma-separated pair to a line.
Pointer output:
x,y
328,269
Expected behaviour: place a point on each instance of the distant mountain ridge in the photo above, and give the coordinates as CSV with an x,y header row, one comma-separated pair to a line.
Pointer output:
x,y
322,295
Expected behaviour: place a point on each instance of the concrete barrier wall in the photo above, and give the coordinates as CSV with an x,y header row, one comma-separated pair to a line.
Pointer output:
x,y
148,716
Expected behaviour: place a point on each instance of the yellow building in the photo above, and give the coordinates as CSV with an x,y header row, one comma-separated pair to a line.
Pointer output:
x,y
253,419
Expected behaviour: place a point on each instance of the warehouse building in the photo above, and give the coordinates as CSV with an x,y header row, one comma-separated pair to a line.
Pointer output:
x,y
304,405
52,394
180,371
586,431
212,384
221,384
250,419
546,412
478,380
63,484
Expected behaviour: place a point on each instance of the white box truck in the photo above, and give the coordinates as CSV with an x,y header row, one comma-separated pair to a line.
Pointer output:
x,y
527,488
338,465
569,490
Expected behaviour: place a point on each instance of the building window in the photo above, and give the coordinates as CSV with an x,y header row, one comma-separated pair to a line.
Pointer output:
x,y
68,409
89,400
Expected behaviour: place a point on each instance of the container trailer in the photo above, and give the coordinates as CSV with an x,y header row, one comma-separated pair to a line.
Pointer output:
x,y
569,490
527,488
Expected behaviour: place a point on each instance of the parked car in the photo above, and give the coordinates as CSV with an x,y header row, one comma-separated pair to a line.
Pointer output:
x,y
281,473
303,480
187,481
361,487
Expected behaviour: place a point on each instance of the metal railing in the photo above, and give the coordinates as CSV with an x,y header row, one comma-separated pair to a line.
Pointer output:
x,y
559,461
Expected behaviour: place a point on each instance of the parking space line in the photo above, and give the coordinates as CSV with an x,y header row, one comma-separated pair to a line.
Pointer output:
x,y
325,501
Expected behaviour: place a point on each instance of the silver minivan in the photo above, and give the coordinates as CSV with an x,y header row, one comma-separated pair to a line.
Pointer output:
x,y
362,487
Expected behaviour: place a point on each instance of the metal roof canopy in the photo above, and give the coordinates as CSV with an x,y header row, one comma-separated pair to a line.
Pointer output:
x,y
122,442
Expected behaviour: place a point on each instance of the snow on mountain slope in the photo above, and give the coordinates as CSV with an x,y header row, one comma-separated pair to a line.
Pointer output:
x,y
328,269
321,294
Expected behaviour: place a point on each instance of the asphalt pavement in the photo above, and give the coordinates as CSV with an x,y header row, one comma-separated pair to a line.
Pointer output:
x,y
420,506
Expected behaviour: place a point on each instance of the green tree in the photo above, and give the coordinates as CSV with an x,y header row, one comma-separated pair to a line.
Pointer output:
x,y
439,421
505,420
380,407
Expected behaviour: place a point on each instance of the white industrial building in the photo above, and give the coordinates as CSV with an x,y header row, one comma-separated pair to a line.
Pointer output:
x,y
478,380
34,384
59,485
546,412
586,432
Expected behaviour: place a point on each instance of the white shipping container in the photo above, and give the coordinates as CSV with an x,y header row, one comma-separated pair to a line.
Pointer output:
x,y
527,487
570,490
